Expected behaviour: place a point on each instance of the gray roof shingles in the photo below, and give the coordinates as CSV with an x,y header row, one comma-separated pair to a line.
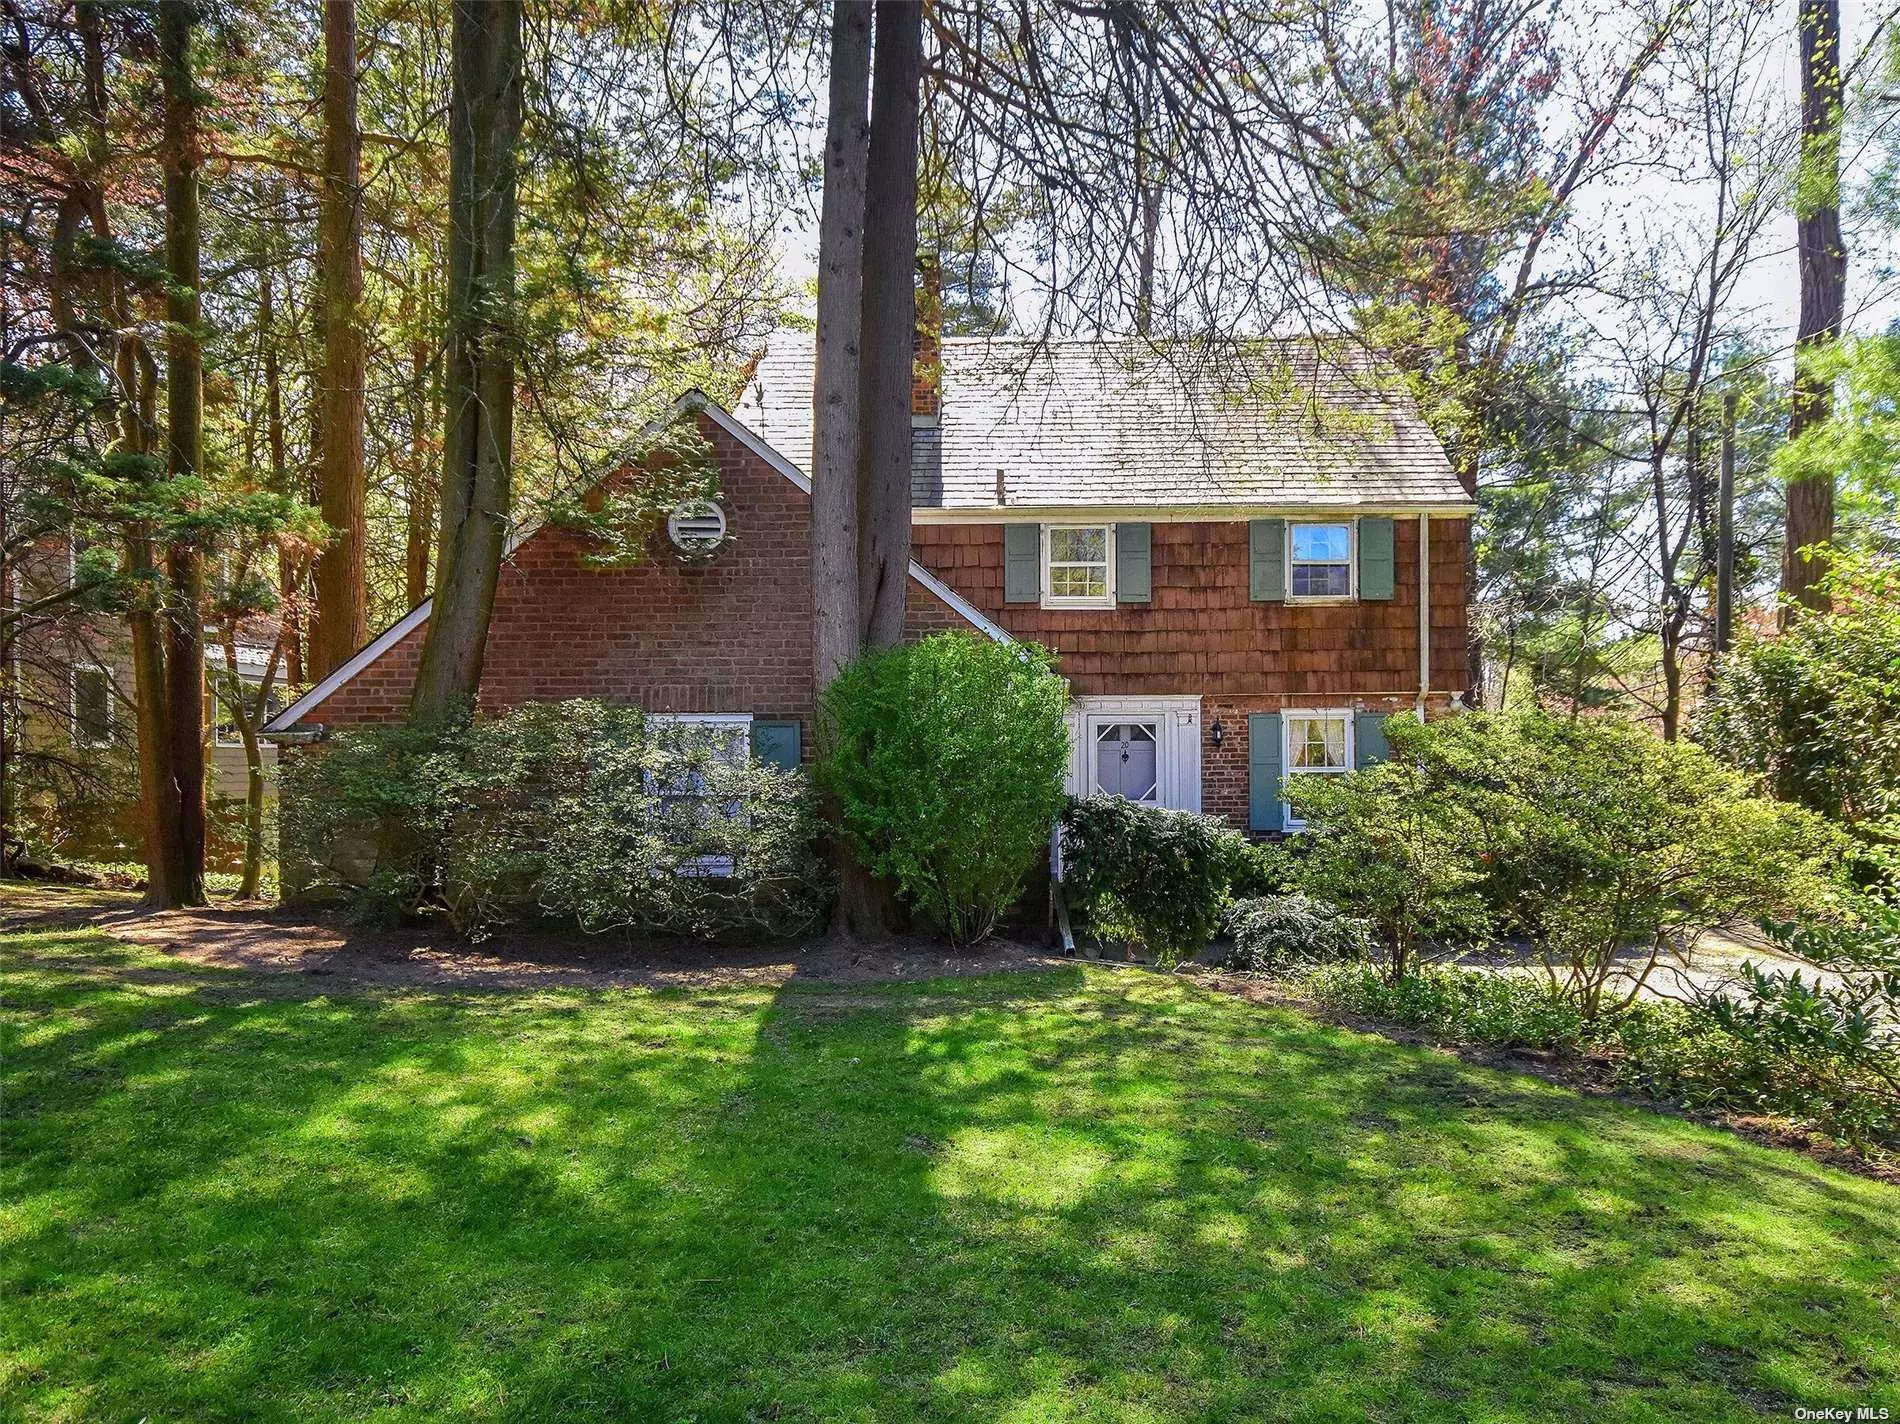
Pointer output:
x,y
1118,423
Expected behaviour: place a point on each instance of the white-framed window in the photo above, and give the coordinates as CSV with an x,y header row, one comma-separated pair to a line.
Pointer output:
x,y
727,738
1318,743
1319,561
1078,566
93,712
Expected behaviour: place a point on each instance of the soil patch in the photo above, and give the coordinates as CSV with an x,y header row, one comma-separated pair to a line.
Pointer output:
x,y
326,946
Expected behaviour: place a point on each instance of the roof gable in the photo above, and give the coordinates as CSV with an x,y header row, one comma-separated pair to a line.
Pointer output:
x,y
692,403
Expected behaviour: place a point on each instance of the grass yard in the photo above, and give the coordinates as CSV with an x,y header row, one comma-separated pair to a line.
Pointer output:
x,y
1098,1193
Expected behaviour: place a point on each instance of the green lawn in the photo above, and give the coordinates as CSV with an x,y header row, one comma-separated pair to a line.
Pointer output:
x,y
1098,1194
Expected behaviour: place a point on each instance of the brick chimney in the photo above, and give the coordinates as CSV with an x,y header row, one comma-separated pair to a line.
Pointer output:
x,y
926,364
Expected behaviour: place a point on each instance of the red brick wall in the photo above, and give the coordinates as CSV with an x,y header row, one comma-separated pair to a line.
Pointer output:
x,y
1224,768
1203,634
730,635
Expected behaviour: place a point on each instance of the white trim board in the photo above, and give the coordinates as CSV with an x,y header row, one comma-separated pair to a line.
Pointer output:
x,y
692,403
1312,513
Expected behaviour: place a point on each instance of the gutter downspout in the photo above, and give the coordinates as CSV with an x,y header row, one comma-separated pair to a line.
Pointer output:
x,y
1424,612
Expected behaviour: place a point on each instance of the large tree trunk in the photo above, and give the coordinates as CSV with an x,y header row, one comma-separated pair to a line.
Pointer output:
x,y
340,625
135,380
889,324
420,523
479,368
184,672
1823,261
836,406
289,567
835,396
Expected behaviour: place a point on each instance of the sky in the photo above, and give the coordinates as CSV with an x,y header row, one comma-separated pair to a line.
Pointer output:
x,y
1767,297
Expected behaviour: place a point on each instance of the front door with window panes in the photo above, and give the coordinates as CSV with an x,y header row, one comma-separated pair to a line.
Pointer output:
x,y
1125,763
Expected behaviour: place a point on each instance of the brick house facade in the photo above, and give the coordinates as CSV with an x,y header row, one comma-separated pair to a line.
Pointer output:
x,y
1186,664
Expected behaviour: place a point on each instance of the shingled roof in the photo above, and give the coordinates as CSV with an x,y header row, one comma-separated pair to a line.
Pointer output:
x,y
1119,423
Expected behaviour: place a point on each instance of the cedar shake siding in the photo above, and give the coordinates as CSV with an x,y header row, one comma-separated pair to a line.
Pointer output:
x,y
1201,633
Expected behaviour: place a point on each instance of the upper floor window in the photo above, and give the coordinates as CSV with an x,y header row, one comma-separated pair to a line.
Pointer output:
x,y
1319,561
1078,566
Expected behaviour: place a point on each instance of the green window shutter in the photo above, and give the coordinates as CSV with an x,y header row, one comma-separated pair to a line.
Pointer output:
x,y
1263,772
1134,563
1022,563
776,744
1266,560
1368,739
1375,558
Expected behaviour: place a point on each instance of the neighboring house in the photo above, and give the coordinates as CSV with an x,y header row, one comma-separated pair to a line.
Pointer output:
x,y
71,690
1242,571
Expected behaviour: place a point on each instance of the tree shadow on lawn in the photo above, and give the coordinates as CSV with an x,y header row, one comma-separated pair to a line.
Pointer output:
x,y
1026,1197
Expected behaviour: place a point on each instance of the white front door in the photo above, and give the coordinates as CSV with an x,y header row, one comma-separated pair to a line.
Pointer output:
x,y
1125,758
1145,748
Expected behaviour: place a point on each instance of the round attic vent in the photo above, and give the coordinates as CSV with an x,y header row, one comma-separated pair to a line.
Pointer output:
x,y
696,527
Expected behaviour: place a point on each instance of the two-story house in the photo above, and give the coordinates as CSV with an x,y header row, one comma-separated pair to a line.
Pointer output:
x,y
1243,567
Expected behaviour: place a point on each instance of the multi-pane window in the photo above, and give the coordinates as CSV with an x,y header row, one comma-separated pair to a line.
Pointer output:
x,y
1319,561
1077,565
693,749
92,706
1317,743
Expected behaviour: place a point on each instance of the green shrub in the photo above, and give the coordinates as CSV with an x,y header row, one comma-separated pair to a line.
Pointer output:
x,y
946,760
1717,1054
1814,712
1456,1005
1589,838
575,811
1685,1054
1396,845
1601,838
1264,869
1828,1048
1159,878
1277,933
359,816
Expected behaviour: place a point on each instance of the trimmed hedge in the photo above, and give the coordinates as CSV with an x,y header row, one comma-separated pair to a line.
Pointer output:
x,y
1157,877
